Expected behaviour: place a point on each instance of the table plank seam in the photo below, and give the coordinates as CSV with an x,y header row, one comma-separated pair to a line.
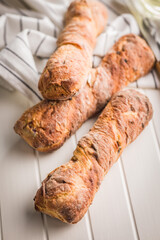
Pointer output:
x,y
1,226
153,123
128,200
153,129
43,216
88,217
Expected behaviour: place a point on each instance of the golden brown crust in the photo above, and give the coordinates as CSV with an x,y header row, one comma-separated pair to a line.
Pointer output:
x,y
68,191
68,68
46,125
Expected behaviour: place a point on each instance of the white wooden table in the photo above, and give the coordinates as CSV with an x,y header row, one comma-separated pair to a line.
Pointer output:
x,y
126,207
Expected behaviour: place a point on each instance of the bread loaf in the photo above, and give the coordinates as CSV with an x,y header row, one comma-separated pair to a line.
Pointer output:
x,y
48,124
68,191
68,68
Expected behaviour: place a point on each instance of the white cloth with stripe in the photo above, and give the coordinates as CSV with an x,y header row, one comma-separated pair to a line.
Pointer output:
x,y
28,34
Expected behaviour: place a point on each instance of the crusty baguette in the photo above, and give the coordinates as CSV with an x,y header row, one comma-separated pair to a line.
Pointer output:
x,y
68,191
68,68
48,124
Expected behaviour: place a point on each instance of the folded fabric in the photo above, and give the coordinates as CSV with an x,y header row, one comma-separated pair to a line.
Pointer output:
x,y
28,37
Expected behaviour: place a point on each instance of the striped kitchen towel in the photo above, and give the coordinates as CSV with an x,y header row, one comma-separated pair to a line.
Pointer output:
x,y
28,34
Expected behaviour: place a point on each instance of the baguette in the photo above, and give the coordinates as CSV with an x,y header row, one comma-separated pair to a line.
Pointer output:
x,y
48,124
68,68
68,191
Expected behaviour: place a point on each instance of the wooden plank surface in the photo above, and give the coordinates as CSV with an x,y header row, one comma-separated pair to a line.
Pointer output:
x,y
18,176
146,81
154,96
141,162
126,206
